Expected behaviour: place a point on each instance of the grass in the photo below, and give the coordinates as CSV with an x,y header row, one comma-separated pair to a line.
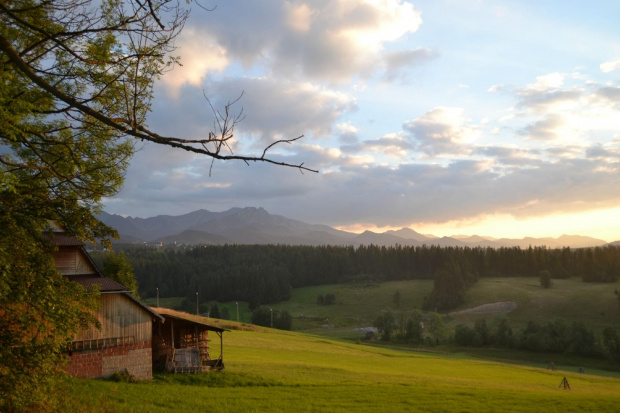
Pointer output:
x,y
358,305
595,304
277,371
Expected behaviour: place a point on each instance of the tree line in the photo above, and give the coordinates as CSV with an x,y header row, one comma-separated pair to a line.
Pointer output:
x,y
263,274
555,336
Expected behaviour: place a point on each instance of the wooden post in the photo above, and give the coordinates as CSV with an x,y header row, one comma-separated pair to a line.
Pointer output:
x,y
221,345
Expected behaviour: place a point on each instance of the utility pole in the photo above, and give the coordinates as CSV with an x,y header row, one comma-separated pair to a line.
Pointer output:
x,y
197,303
271,309
236,302
157,297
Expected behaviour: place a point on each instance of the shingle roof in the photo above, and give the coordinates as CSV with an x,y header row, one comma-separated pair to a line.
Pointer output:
x,y
63,240
90,280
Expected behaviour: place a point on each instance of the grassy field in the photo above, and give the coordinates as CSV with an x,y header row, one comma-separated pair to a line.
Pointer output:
x,y
358,305
275,371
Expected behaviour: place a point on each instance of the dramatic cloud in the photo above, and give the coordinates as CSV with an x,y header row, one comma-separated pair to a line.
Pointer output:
x,y
269,110
329,41
398,141
276,110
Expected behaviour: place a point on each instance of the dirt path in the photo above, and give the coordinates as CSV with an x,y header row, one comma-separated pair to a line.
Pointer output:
x,y
491,308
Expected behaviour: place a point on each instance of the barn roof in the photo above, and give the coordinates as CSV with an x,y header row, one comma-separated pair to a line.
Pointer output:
x,y
89,281
179,315
63,240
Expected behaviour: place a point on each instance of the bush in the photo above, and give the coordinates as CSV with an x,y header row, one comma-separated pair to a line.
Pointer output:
x,y
122,376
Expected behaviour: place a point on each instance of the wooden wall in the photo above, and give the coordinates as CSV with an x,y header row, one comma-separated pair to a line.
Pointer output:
x,y
69,260
120,318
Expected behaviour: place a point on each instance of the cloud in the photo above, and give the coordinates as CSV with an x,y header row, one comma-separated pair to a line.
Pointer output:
x,y
546,82
610,66
326,69
441,131
201,56
398,61
546,129
320,41
391,145
610,94
276,110
496,88
347,133
270,109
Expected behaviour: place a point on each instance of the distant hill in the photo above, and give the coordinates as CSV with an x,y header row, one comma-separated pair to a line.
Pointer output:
x,y
257,226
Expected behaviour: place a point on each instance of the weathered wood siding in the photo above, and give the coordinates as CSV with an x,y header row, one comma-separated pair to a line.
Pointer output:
x,y
69,260
121,319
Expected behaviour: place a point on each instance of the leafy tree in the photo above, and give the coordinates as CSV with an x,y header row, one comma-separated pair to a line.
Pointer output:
x,y
320,299
330,299
262,316
611,343
225,313
40,311
436,326
463,335
283,320
385,324
482,331
413,329
503,333
116,267
214,312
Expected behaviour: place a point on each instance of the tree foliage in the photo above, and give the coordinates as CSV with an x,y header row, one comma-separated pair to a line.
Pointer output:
x,y
264,316
385,323
76,84
116,267
40,311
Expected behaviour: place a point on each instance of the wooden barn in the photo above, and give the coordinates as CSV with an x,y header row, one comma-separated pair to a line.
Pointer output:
x,y
181,343
124,341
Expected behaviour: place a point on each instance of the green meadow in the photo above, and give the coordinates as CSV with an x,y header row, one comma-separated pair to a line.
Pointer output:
x,y
277,371
358,305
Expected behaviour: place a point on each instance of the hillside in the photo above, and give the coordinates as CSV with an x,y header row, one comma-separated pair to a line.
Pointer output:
x,y
272,371
357,306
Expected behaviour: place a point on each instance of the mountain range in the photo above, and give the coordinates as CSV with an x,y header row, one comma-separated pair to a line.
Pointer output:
x,y
256,226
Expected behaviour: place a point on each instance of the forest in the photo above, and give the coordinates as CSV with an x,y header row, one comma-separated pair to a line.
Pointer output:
x,y
263,274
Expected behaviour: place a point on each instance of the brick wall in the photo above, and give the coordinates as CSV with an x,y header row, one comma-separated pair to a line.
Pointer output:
x,y
135,357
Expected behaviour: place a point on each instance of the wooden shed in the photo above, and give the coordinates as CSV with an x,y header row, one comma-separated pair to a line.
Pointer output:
x,y
181,342
124,342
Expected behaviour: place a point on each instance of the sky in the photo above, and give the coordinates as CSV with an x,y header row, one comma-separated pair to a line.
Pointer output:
x,y
489,117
